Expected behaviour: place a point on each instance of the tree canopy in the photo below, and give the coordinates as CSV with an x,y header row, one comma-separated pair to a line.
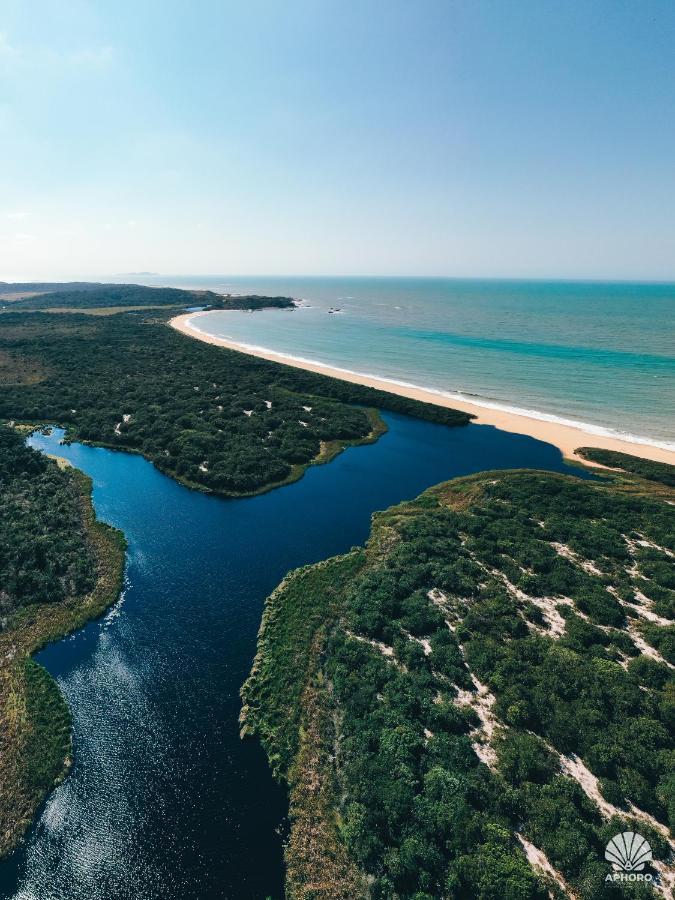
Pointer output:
x,y
494,678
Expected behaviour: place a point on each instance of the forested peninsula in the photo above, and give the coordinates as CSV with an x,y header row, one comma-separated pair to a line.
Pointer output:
x,y
212,418
475,703
59,568
69,298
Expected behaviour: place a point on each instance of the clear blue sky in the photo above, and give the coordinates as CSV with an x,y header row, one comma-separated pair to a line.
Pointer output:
x,y
516,138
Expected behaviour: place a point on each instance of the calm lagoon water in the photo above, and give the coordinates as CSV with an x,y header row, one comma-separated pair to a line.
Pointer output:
x,y
164,801
599,355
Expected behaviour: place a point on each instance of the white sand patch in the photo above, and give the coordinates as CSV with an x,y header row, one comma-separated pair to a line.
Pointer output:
x,y
126,418
481,702
539,862
384,649
644,611
643,542
576,769
667,879
439,599
423,642
547,605
569,554
644,647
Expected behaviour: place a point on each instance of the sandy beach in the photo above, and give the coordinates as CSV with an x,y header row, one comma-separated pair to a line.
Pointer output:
x,y
566,437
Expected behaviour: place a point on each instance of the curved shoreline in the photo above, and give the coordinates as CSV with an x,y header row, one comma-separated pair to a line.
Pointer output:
x,y
568,438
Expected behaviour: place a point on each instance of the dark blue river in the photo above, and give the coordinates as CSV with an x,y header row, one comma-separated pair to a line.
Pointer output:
x,y
164,801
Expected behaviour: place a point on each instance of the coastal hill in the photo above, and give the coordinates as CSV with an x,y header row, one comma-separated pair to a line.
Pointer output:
x,y
475,703
92,296
214,419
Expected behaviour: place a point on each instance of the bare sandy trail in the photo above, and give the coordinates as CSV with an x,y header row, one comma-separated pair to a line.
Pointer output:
x,y
566,437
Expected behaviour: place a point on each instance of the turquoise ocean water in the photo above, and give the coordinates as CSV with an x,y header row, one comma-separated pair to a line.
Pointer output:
x,y
598,355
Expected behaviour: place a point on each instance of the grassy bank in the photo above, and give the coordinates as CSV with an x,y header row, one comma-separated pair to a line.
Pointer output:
x,y
35,740
476,702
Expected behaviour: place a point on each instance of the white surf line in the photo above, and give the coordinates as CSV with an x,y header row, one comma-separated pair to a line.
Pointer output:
x,y
461,396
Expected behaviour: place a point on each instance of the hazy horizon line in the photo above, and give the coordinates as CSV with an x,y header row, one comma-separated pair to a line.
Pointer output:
x,y
108,278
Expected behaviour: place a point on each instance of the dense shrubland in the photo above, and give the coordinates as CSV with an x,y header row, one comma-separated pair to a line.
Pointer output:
x,y
494,674
636,465
213,418
102,296
58,569
44,553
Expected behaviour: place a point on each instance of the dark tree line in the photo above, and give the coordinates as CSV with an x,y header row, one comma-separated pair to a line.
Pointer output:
x,y
645,468
101,296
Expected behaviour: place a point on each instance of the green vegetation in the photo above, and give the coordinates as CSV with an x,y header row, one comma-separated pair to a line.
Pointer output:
x,y
250,302
110,295
59,568
44,554
645,468
90,295
213,418
492,675
12,291
48,743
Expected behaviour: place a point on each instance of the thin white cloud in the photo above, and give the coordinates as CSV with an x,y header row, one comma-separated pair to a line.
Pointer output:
x,y
97,57
17,214
6,49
